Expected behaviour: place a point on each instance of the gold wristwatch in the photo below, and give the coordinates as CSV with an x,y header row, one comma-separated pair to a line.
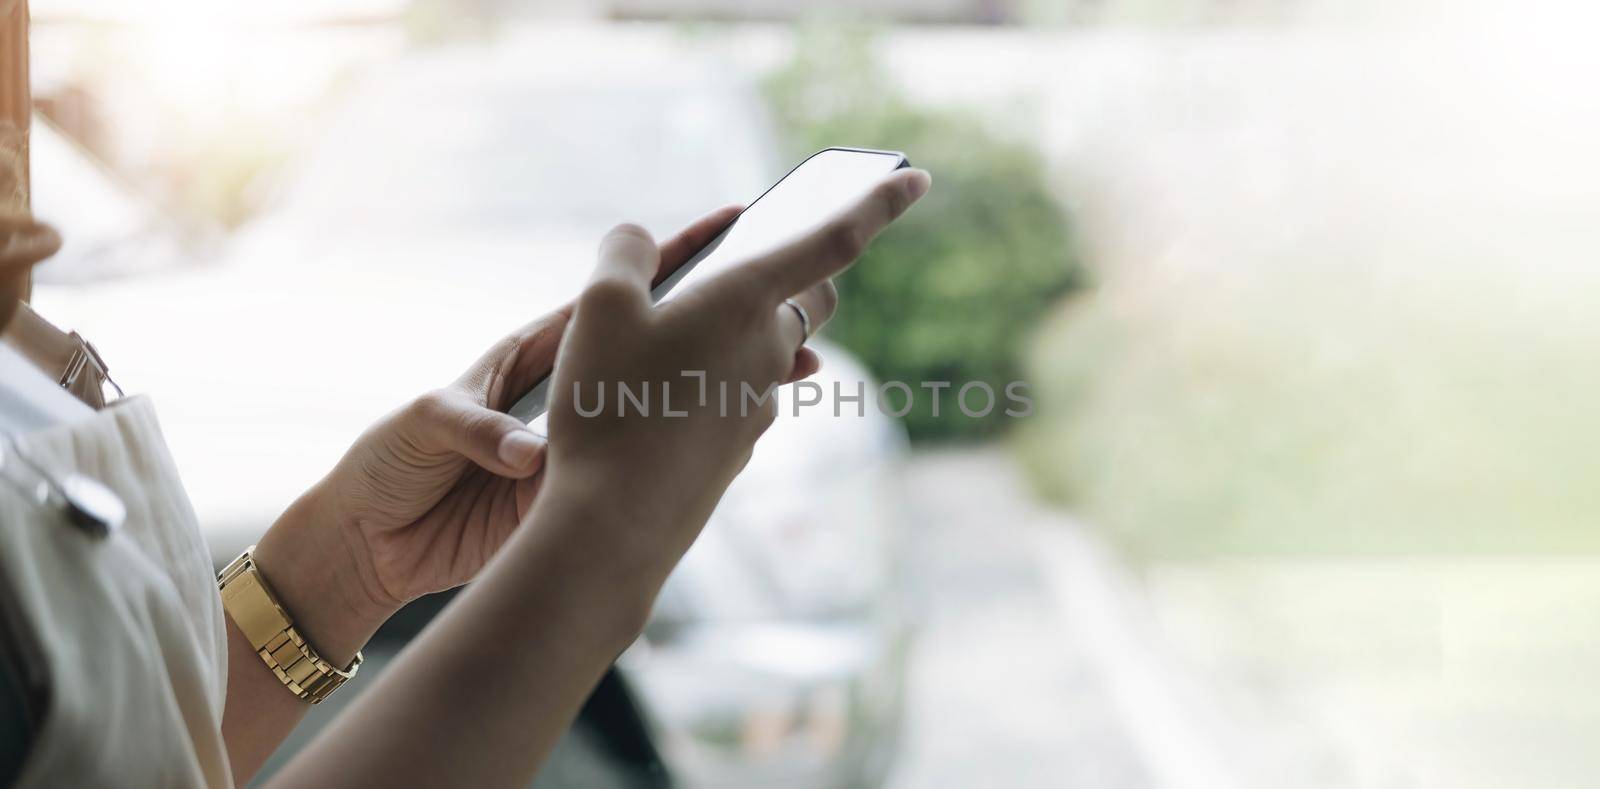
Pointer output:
x,y
269,630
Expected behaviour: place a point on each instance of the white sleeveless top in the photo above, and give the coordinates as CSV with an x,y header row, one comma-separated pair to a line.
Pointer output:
x,y
128,629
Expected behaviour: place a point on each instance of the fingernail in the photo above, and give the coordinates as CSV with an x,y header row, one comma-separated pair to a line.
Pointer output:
x,y
520,448
917,185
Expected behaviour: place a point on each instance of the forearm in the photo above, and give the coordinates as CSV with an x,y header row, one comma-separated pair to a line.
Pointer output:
x,y
303,560
483,695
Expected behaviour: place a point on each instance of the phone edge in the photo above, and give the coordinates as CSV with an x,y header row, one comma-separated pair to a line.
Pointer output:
x,y
533,404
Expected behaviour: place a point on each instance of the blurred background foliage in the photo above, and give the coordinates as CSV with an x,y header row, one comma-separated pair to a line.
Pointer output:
x,y
1331,391
1303,415
953,291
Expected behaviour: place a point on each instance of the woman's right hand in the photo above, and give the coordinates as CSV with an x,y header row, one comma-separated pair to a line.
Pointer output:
x,y
510,662
654,479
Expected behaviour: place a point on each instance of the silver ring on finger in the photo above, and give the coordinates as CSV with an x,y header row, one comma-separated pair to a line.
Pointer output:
x,y
805,319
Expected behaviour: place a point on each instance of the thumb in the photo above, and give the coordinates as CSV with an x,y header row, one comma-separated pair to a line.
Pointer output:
x,y
509,369
628,261
498,442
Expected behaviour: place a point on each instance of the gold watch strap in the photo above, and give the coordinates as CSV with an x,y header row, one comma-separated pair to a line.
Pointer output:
x,y
271,632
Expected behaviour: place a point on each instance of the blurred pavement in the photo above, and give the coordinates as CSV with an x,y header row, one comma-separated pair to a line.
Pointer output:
x,y
1002,692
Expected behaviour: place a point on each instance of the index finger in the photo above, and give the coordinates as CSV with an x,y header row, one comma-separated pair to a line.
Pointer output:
x,y
836,243
677,250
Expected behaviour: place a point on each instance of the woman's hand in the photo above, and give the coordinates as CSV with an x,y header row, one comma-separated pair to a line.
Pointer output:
x,y
702,363
427,495
623,495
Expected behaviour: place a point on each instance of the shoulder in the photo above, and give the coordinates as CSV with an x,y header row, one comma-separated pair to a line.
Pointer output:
x,y
29,400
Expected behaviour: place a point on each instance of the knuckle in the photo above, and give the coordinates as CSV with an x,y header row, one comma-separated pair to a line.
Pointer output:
x,y
741,297
756,297
507,348
893,195
432,407
629,231
843,240
604,295
479,424
627,241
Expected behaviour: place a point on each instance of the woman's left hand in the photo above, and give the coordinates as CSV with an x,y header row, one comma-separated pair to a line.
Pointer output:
x,y
426,496
430,492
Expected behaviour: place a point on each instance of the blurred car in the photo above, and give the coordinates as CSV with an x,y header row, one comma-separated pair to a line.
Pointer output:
x,y
458,193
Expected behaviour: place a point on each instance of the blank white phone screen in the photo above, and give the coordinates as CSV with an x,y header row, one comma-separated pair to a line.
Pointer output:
x,y
821,187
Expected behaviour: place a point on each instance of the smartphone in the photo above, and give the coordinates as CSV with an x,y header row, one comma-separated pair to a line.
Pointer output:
x,y
826,183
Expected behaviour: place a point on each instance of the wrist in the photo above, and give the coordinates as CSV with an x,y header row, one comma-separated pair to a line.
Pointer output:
x,y
317,575
599,555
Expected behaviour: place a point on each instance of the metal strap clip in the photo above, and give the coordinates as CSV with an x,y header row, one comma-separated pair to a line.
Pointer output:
x,y
85,357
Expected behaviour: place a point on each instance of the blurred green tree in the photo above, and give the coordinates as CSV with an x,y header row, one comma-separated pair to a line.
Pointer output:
x,y
952,291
